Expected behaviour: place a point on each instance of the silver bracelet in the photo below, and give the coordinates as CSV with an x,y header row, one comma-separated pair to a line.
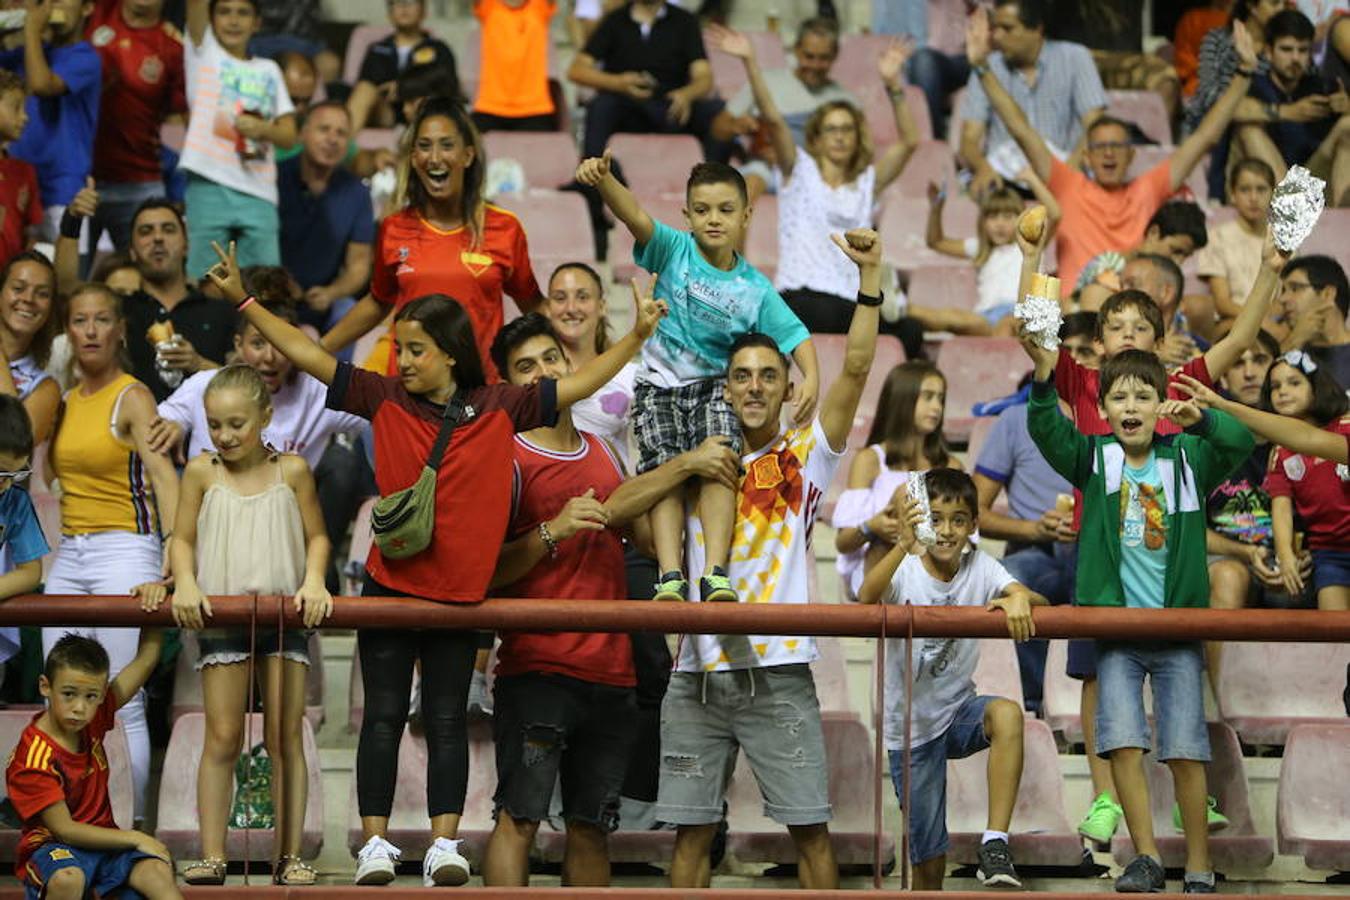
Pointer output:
x,y
549,542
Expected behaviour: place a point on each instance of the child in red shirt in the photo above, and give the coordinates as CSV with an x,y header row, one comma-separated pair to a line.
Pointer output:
x,y
58,781
20,202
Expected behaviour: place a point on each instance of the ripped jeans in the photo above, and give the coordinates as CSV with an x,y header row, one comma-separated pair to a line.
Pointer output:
x,y
548,727
772,714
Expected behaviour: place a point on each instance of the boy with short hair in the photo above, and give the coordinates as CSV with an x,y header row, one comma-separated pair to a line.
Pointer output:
x,y
58,782
949,721
1142,545
240,110
713,295
22,544
19,194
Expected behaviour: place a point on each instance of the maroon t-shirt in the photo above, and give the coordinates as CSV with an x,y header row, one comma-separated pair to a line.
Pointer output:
x,y
473,488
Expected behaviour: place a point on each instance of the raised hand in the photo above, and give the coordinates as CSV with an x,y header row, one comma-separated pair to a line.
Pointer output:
x,y
1242,44
594,170
226,275
85,203
862,245
937,194
1182,413
732,43
978,44
892,60
1275,258
649,309
1201,393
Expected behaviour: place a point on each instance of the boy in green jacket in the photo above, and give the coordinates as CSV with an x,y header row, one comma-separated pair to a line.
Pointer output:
x,y
1144,513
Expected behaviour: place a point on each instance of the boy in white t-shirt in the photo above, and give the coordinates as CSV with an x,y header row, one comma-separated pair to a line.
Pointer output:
x,y
948,719
240,110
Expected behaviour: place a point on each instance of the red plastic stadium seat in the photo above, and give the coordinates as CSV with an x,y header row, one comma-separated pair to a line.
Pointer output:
x,y
754,838
1266,689
977,368
932,162
1313,804
667,209
656,164
1041,834
1060,702
12,723
187,682
856,66
830,672
178,824
557,225
880,113
997,673
904,222
1329,237
1238,845
1143,108
947,287
729,72
549,158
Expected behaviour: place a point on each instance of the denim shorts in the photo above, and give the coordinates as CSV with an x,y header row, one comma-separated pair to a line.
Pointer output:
x,y
1082,659
928,789
1331,568
771,713
1176,672
995,314
671,421
549,727
224,646
105,871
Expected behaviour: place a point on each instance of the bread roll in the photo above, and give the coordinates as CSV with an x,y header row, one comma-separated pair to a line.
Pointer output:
x,y
1064,503
160,332
1031,224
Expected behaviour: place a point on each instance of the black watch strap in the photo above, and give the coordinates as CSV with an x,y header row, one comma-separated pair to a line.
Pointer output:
x,y
865,300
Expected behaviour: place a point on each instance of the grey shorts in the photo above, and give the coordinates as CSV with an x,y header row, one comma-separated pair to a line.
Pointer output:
x,y
772,714
671,421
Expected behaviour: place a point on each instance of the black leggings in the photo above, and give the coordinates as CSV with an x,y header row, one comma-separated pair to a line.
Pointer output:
x,y
387,657
828,314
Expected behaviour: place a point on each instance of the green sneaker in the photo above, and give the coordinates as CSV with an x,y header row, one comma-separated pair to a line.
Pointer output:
x,y
1216,820
1102,820
715,587
672,587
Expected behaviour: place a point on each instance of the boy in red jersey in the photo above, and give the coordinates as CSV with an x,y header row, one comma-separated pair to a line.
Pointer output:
x,y
58,782
19,197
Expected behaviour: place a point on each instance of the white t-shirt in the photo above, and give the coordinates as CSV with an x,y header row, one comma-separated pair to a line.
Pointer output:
x,y
219,88
301,423
608,413
944,668
998,278
809,211
27,375
780,495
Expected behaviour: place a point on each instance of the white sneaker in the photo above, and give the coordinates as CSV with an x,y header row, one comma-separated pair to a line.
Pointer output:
x,y
480,704
375,861
443,866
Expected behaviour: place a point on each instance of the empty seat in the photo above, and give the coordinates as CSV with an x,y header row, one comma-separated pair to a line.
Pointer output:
x,y
549,158
932,162
1238,845
904,223
1041,834
556,224
409,829
947,287
848,746
12,723
178,825
1060,701
1143,108
856,66
977,368
830,672
187,682
1266,689
879,109
729,72
1313,800
997,673
656,164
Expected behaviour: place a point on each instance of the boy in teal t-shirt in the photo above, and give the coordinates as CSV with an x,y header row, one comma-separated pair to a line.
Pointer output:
x,y
713,296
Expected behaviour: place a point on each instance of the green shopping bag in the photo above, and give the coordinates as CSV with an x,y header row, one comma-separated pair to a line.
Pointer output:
x,y
253,791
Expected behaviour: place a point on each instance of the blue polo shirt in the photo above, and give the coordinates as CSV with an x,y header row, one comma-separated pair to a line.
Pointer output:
x,y
59,138
316,229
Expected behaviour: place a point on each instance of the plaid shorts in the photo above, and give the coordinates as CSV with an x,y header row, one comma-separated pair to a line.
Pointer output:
x,y
671,421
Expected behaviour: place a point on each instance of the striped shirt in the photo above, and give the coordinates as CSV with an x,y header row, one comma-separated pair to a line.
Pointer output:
x,y
1218,63
1067,88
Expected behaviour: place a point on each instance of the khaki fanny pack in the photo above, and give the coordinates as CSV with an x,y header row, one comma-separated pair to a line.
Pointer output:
x,y
403,521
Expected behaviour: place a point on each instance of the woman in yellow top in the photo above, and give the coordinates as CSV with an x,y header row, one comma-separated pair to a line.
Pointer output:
x,y
117,496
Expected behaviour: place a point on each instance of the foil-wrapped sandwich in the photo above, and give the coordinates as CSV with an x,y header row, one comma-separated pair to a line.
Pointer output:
x,y
1295,207
1040,311
918,492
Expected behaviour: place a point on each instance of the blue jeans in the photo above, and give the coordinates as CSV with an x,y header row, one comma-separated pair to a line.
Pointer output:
x,y
938,76
117,203
1176,674
1048,570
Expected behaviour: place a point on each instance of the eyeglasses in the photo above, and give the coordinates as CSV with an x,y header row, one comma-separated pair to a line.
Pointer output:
x,y
21,475
1114,146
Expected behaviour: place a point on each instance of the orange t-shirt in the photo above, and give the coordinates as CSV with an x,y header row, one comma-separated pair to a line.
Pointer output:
x,y
1093,219
513,67
1191,31
413,258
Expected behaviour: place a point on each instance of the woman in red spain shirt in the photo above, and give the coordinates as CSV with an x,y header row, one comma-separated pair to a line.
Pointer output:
x,y
445,238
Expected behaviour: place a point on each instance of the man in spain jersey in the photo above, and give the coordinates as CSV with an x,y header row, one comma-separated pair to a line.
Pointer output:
x,y
58,782
730,691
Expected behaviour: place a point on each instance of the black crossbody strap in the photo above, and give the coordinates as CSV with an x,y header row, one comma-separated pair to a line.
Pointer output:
x,y
454,411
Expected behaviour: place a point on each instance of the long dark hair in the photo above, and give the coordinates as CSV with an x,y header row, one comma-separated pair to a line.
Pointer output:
x,y
40,348
894,420
409,190
1328,403
446,323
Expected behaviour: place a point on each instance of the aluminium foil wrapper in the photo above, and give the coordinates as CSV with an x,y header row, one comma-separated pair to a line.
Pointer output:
x,y
1295,208
917,487
1042,317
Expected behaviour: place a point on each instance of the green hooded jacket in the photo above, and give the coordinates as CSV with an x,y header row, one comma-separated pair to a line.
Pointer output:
x,y
1190,465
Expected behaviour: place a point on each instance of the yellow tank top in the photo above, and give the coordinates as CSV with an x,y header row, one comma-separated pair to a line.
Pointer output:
x,y
103,483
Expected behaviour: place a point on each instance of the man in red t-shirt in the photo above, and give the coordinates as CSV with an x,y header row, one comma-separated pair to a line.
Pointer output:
x,y
143,87
20,202
1109,211
57,779
565,702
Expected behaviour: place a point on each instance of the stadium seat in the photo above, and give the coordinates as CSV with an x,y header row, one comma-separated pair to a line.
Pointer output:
x,y
668,209
1041,834
932,162
1265,689
1329,237
120,793
830,356
1238,845
761,242
729,72
408,826
178,826
947,287
997,673
1143,108
656,164
549,158
1060,701
856,66
187,681
556,224
904,225
977,368
1313,800
880,112
830,671
848,745
353,572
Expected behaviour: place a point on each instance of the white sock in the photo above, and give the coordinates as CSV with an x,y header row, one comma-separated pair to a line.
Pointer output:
x,y
994,836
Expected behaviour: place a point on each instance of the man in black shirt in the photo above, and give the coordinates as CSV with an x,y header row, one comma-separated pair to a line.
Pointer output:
x,y
371,102
648,67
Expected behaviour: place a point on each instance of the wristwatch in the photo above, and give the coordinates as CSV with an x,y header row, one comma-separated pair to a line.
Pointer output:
x,y
865,300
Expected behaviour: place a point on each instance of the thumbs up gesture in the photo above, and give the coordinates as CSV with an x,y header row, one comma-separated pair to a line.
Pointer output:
x,y
85,203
